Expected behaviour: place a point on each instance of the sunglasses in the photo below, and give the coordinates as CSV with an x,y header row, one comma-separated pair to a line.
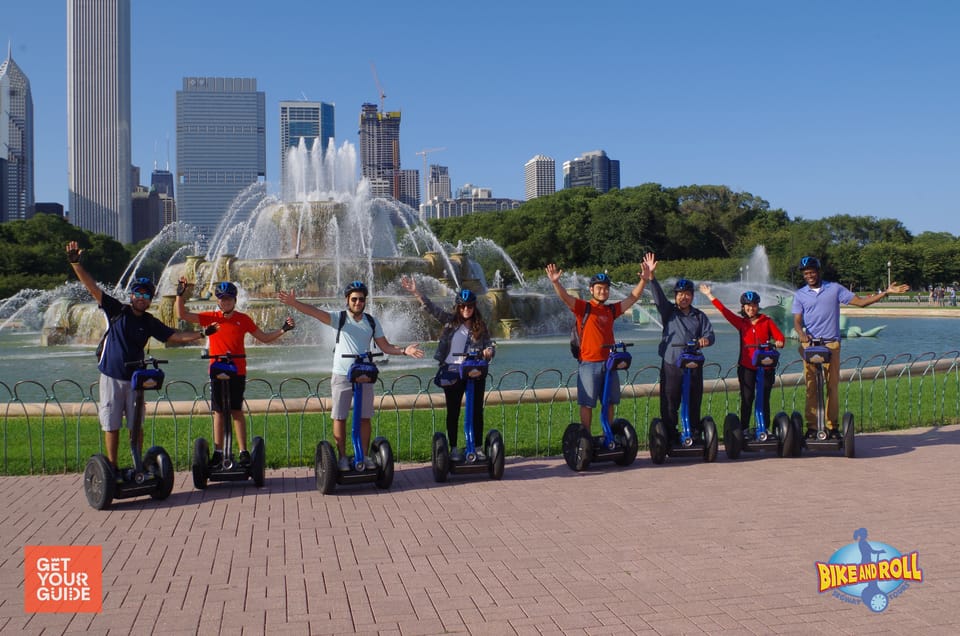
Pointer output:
x,y
358,299
144,295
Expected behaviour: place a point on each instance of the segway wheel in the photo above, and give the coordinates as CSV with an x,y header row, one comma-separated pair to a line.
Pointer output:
x,y
626,435
796,422
732,436
496,455
384,455
784,432
440,457
571,438
99,482
325,467
157,462
710,441
658,440
848,435
876,601
258,461
201,463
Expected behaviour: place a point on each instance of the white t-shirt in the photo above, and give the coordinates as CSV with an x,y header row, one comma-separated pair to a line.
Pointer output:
x,y
458,344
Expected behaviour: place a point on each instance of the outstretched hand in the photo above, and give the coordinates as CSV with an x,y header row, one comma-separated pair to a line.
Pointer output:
x,y
705,289
209,330
183,286
553,272
73,252
287,298
409,284
897,288
649,265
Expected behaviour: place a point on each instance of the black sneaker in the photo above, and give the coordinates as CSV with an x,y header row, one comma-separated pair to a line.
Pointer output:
x,y
217,459
833,433
811,433
244,458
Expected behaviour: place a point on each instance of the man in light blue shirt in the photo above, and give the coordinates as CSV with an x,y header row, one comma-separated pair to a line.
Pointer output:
x,y
816,315
355,330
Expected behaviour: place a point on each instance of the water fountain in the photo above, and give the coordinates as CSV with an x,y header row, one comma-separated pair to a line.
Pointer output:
x,y
331,232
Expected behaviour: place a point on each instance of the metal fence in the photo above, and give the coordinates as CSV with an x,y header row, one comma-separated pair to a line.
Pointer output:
x,y
54,427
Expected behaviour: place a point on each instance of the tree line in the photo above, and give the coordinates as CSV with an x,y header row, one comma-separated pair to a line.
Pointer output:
x,y
704,232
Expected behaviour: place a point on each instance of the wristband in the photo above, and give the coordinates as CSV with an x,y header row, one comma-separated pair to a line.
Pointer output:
x,y
286,326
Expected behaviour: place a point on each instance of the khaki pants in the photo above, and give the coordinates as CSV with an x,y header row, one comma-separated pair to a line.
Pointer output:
x,y
832,372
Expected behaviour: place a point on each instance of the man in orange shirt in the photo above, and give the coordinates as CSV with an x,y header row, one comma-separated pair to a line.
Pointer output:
x,y
231,328
597,331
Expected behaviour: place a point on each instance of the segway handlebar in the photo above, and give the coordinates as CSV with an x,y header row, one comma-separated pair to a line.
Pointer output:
x,y
618,346
222,357
146,362
360,357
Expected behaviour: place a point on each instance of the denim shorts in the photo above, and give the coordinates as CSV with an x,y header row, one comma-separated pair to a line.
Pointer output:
x,y
590,377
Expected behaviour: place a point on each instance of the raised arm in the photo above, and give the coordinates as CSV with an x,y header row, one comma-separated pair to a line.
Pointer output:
x,y
894,288
269,336
554,273
412,350
181,306
290,299
636,293
74,253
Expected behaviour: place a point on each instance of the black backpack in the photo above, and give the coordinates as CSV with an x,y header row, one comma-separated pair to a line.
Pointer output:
x,y
103,338
575,334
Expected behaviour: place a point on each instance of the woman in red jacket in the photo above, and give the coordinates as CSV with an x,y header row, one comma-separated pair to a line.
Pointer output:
x,y
755,329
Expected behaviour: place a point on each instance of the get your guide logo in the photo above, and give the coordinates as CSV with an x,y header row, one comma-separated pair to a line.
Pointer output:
x,y
62,578
868,572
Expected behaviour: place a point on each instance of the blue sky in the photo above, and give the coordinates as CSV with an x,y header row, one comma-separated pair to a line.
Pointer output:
x,y
821,108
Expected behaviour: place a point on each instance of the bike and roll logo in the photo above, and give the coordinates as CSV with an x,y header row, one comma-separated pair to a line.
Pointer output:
x,y
868,572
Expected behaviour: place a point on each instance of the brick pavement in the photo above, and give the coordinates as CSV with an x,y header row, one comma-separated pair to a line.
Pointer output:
x,y
683,548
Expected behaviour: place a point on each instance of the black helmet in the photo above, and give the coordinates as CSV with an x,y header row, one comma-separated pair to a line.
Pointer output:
x,y
809,262
600,279
225,289
749,298
355,286
466,297
684,284
143,285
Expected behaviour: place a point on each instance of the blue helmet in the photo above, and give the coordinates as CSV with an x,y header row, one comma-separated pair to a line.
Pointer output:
x,y
600,279
749,298
809,262
356,286
682,285
143,285
225,289
466,297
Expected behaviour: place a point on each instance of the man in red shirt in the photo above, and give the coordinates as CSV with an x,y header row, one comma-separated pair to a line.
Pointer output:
x,y
597,331
231,328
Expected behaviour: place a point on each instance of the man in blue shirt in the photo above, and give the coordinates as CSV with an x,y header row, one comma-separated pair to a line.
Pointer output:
x,y
816,315
130,328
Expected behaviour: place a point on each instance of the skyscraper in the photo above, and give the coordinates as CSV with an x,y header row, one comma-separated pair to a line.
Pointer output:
x,y
98,116
16,142
380,150
438,187
593,170
303,120
540,176
221,146
162,182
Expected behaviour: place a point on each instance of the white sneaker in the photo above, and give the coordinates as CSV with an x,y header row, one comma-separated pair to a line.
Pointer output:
x,y
344,464
369,463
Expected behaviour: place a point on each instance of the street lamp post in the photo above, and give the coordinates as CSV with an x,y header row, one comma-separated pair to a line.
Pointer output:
x,y
889,263
741,274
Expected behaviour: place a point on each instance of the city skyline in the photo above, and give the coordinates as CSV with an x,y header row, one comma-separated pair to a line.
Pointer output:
x,y
812,108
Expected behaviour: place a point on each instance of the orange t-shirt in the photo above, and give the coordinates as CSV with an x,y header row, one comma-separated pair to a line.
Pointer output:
x,y
599,329
229,337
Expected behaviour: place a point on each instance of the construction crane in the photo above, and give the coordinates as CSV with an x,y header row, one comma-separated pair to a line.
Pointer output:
x,y
426,152
376,79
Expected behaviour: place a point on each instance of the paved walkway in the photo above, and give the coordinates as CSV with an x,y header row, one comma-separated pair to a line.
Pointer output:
x,y
683,548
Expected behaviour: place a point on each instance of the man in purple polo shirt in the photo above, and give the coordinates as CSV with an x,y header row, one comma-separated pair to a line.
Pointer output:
x,y
816,315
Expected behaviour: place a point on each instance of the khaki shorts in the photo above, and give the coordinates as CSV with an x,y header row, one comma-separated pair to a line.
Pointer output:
x,y
341,390
116,401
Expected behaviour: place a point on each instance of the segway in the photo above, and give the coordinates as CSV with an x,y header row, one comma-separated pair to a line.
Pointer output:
x,y
473,370
781,438
702,443
817,354
619,440
327,474
152,475
229,469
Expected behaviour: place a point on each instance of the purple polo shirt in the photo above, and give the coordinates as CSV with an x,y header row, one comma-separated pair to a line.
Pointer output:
x,y
821,311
